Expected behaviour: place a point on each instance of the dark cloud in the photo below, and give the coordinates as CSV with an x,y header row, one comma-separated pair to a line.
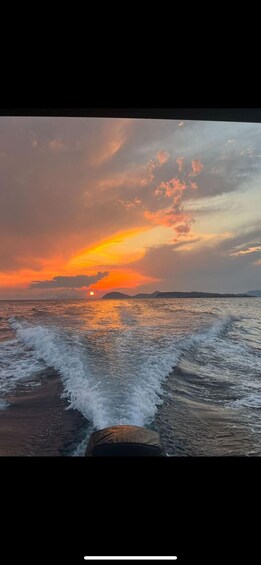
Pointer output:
x,y
211,267
77,281
245,238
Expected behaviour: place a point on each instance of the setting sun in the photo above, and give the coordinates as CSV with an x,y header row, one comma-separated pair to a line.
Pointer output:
x,y
91,293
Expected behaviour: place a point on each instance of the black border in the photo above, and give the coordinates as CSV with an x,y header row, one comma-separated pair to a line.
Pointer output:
x,y
200,509
218,113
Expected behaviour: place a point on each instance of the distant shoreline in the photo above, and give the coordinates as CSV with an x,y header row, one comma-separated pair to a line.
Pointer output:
x,y
156,295
118,298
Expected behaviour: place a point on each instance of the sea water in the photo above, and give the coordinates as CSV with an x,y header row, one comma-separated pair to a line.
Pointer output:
x,y
190,368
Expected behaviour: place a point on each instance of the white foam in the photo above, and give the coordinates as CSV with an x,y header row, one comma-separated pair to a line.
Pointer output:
x,y
52,346
250,401
16,364
211,333
113,377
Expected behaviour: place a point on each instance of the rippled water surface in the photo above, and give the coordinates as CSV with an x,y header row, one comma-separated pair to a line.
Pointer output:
x,y
191,368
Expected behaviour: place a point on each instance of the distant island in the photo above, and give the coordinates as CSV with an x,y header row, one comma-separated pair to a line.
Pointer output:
x,y
157,294
254,293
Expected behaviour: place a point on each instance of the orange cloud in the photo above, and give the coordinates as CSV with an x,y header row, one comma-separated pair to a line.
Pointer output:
x,y
120,248
173,187
197,167
161,158
180,162
19,279
167,217
123,278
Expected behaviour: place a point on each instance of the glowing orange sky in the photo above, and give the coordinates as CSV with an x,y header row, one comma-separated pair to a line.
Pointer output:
x,y
136,205
119,251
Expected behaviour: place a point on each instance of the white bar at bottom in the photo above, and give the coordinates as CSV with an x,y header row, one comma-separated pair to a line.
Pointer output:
x,y
129,558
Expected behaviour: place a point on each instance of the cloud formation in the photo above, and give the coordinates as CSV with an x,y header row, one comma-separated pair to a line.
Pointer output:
x,y
197,167
76,281
203,265
71,188
180,162
175,215
160,159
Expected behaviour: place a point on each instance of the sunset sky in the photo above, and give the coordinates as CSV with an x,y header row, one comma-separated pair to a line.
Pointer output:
x,y
133,205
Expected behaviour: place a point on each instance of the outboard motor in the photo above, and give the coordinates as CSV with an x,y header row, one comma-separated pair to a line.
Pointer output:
x,y
125,441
